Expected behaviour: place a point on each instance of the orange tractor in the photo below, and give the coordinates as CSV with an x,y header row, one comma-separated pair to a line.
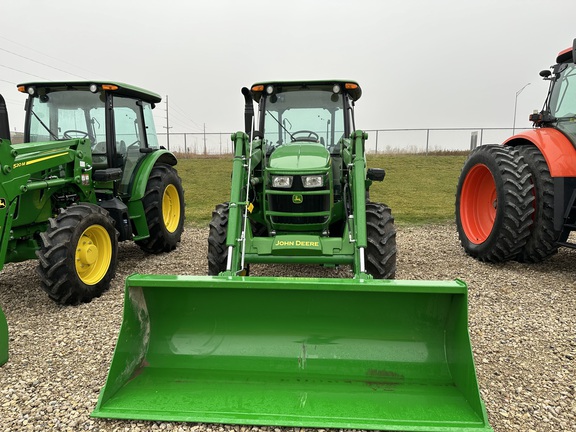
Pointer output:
x,y
518,200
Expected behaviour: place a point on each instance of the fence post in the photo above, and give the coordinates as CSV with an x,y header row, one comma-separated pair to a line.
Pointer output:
x,y
473,140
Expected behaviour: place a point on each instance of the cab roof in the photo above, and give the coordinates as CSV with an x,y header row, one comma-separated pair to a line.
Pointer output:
x,y
352,88
569,54
119,88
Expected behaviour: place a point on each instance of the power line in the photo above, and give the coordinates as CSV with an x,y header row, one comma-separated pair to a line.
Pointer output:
x,y
40,63
186,123
21,71
186,115
46,55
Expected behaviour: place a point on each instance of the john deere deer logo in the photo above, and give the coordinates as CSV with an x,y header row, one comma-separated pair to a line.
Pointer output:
x,y
2,203
297,199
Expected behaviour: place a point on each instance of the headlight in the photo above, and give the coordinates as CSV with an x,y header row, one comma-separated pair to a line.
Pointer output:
x,y
312,181
282,181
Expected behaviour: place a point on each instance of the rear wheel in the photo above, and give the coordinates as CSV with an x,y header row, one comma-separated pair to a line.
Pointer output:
x,y
542,240
381,234
78,256
494,203
164,209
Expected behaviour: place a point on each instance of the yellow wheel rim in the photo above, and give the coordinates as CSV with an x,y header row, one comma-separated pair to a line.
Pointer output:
x,y
93,254
171,208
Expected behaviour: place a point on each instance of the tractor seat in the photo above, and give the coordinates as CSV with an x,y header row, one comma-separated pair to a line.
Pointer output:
x,y
99,157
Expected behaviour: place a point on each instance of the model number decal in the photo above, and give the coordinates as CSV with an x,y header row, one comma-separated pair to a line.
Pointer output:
x,y
30,162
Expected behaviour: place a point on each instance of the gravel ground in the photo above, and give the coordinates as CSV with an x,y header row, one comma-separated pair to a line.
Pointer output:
x,y
521,320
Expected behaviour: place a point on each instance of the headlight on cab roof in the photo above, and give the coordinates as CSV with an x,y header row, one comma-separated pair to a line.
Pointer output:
x,y
313,181
282,181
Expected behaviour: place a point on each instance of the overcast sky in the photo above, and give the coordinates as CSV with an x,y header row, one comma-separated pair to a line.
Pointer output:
x,y
421,64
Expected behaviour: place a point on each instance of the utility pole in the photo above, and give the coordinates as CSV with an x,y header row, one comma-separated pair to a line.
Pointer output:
x,y
167,127
515,105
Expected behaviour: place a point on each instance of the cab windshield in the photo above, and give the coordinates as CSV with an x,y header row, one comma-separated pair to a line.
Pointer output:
x,y
563,100
63,115
298,115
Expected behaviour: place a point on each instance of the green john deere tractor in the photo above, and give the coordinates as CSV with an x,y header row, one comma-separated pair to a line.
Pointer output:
x,y
305,186
90,174
366,352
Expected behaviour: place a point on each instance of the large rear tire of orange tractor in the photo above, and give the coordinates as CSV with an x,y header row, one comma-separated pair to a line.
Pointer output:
x,y
494,203
541,243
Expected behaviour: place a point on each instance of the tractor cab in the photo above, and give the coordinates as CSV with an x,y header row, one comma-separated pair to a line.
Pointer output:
x,y
560,106
303,128
116,118
305,112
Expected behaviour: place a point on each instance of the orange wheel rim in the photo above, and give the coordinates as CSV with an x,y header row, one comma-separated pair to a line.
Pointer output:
x,y
478,204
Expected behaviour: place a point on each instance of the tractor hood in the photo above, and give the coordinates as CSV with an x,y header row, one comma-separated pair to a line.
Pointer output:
x,y
301,157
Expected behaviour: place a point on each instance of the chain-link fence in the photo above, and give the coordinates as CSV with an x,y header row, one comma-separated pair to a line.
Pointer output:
x,y
379,141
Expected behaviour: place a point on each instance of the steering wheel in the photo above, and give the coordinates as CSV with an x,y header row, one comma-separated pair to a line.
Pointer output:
x,y
134,144
72,131
311,136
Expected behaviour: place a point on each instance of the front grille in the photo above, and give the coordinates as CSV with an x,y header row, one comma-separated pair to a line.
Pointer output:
x,y
310,204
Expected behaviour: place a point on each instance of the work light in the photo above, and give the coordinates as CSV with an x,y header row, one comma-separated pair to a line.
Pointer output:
x,y
312,181
281,181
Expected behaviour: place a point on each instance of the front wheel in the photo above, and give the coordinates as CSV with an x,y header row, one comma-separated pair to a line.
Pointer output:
x,y
78,256
494,203
217,250
381,236
164,209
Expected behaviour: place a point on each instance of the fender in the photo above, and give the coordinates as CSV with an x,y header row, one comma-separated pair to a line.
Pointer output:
x,y
138,186
558,151
138,189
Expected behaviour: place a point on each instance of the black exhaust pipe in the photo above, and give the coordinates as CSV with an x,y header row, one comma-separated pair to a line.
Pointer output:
x,y
248,111
4,125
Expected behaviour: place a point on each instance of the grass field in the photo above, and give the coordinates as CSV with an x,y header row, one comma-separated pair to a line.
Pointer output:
x,y
420,189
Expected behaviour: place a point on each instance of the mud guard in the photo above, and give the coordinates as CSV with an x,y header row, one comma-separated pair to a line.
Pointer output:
x,y
308,352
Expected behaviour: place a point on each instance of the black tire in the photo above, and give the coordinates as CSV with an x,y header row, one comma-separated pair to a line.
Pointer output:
x,y
217,250
78,254
380,256
164,209
494,203
541,243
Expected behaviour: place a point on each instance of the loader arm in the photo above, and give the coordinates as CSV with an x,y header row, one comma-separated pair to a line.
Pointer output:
x,y
238,202
354,157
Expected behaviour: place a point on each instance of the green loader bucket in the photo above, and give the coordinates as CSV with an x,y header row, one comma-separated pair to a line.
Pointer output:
x,y
3,338
307,352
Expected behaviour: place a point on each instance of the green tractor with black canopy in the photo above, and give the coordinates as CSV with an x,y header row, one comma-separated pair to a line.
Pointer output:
x,y
89,174
306,186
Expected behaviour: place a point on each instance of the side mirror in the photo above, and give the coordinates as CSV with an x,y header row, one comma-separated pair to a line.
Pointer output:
x,y
545,73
